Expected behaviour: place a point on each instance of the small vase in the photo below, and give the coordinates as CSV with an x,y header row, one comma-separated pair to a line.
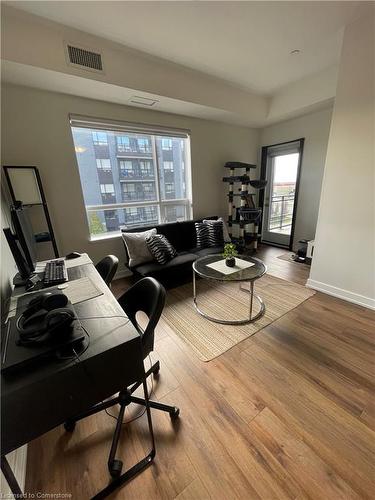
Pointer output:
x,y
230,261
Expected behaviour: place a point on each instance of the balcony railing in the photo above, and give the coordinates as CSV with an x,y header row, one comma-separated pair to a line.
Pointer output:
x,y
138,196
129,150
153,213
127,175
108,198
281,212
139,220
105,176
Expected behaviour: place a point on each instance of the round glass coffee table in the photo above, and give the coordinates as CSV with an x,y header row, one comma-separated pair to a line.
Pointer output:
x,y
213,267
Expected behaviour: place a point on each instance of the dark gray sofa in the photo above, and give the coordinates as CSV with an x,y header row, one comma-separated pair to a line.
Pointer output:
x,y
182,235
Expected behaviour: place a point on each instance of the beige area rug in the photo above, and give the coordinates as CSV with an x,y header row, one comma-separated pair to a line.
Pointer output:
x,y
226,301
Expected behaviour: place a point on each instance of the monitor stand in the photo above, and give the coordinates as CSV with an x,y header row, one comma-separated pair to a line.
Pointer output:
x,y
19,281
32,282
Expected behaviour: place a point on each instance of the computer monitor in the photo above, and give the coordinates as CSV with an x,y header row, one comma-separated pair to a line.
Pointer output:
x,y
23,231
19,258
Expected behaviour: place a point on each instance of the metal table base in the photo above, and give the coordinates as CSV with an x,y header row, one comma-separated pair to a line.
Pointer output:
x,y
250,319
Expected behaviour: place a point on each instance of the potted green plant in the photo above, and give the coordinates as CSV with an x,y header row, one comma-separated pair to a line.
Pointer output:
x,y
229,254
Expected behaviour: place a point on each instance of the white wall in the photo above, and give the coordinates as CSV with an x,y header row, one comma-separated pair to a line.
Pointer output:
x,y
37,42
315,129
37,132
344,256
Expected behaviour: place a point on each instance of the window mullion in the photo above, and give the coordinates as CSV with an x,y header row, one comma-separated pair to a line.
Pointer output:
x,y
157,176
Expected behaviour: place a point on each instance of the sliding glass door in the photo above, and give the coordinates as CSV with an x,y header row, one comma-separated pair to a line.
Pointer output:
x,y
281,168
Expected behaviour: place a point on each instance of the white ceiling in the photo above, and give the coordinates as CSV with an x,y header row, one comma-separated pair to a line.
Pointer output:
x,y
245,43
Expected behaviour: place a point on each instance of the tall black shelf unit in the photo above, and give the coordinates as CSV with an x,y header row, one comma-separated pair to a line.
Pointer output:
x,y
40,201
247,216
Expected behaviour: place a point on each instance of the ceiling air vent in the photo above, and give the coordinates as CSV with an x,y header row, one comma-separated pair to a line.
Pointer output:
x,y
142,101
85,58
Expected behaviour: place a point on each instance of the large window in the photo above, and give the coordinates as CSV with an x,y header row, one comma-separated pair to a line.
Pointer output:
x,y
147,187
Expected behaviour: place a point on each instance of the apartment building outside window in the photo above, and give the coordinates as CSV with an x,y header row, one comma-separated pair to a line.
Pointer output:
x,y
144,145
147,175
99,138
126,168
169,190
107,192
123,143
168,166
146,168
103,164
166,144
131,144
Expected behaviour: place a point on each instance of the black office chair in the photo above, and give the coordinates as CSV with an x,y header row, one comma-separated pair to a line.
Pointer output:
x,y
148,296
107,268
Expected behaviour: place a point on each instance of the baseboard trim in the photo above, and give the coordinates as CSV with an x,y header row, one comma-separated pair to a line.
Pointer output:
x,y
340,293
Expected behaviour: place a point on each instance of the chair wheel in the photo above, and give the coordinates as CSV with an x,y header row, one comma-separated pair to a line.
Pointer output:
x,y
69,425
115,468
174,413
157,369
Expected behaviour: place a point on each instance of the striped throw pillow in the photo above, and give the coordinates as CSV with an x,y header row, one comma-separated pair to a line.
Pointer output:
x,y
202,231
161,249
215,233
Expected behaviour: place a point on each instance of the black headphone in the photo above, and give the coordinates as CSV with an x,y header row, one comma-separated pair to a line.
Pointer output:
x,y
45,315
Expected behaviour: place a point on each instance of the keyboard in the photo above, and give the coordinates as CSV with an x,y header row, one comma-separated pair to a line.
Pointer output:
x,y
55,273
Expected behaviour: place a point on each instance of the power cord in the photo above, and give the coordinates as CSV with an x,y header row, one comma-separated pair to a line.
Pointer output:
x,y
144,409
77,357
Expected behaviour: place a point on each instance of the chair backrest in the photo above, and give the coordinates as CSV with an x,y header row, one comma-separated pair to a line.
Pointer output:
x,y
148,296
107,268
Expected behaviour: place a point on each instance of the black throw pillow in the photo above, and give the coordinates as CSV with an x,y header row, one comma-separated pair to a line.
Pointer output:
x,y
161,249
202,231
209,234
215,232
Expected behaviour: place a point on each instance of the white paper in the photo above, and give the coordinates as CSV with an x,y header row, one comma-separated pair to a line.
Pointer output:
x,y
224,269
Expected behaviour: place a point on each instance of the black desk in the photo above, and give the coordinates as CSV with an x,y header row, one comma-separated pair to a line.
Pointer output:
x,y
44,397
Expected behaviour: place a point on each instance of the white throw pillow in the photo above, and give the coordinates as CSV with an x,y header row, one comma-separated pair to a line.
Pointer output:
x,y
225,230
137,247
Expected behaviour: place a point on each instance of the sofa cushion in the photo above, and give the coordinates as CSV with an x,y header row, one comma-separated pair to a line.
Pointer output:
x,y
180,234
215,232
137,248
203,235
202,252
162,250
226,236
153,268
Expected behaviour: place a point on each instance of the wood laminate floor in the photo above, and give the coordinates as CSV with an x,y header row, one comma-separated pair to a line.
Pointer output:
x,y
288,413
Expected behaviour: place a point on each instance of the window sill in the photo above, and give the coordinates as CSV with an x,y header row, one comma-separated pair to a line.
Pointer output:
x,y
107,236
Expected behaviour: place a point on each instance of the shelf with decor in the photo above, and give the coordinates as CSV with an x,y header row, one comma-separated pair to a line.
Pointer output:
x,y
246,216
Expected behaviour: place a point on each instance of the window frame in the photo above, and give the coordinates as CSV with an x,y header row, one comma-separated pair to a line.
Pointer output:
x,y
121,128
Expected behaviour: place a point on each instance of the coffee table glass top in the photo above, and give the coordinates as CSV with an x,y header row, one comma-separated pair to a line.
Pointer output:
x,y
254,272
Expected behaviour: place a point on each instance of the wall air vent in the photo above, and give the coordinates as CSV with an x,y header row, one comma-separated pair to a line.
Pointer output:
x,y
142,101
84,58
